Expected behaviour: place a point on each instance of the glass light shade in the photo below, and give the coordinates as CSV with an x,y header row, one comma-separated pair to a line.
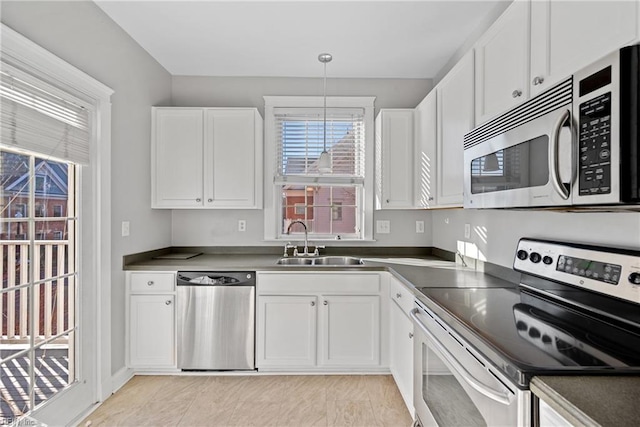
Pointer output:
x,y
324,162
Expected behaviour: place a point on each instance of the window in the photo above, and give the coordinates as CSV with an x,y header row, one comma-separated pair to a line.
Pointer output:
x,y
331,203
57,210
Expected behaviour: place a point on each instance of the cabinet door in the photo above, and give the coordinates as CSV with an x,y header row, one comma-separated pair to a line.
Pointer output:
x,y
426,134
455,119
550,418
401,341
350,331
176,158
286,331
231,158
395,129
568,35
152,331
502,63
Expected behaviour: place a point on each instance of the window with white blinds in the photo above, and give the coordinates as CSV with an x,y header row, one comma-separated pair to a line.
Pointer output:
x,y
300,137
38,117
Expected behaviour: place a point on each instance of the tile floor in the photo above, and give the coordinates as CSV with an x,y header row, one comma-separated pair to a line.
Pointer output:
x,y
313,400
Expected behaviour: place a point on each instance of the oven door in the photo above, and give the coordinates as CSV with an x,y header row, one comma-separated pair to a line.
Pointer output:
x,y
529,165
454,386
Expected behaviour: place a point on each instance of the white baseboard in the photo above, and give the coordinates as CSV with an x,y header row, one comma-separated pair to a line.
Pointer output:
x,y
120,378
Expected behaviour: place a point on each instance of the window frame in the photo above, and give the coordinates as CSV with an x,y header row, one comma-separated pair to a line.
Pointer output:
x,y
273,199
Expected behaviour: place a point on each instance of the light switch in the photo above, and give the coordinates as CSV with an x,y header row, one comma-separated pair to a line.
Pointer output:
x,y
125,228
419,226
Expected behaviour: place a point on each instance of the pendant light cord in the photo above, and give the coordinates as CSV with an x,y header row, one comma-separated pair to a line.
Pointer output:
x,y
324,93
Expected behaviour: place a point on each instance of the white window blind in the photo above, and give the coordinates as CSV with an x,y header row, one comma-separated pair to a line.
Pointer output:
x,y
38,117
300,140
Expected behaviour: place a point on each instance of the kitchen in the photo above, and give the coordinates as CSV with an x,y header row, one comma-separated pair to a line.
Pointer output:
x,y
110,55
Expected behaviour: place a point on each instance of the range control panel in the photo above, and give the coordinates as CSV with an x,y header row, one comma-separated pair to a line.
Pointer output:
x,y
609,271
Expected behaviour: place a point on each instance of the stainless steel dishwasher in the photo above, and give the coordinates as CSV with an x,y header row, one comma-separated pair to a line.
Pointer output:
x,y
216,320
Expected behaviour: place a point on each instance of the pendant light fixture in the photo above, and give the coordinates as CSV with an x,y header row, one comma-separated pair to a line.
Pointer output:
x,y
324,162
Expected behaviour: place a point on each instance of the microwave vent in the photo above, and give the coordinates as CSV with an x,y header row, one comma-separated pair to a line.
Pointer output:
x,y
556,97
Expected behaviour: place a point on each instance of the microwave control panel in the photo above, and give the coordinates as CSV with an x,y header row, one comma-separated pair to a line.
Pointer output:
x,y
594,162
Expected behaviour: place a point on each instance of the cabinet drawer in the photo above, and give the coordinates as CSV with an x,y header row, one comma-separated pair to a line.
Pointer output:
x,y
319,283
401,295
152,282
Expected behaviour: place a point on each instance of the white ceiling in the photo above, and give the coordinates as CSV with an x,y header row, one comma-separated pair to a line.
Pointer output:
x,y
376,39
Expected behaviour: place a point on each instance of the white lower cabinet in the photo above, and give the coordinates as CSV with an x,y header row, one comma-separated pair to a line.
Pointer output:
x,y
350,327
287,330
152,330
319,321
550,418
401,341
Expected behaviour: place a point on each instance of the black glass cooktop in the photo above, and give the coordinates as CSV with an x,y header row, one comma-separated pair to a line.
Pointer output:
x,y
526,333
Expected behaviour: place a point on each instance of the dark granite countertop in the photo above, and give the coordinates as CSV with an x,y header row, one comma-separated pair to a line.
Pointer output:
x,y
607,401
414,270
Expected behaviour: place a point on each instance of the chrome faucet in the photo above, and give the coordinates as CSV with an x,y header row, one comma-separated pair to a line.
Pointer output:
x,y
306,240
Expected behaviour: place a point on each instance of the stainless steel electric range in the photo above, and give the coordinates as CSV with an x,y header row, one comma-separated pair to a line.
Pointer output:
x,y
576,310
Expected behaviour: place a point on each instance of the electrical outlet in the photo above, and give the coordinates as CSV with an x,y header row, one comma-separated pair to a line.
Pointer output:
x,y
242,225
419,226
383,226
126,228
467,231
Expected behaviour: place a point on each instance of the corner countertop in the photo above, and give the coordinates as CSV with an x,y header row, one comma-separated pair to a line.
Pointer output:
x,y
591,400
416,272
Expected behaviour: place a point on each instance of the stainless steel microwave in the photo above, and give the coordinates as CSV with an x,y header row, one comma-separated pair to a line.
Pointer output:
x,y
575,144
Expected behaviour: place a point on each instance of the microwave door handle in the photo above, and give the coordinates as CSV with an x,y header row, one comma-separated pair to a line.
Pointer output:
x,y
478,386
554,156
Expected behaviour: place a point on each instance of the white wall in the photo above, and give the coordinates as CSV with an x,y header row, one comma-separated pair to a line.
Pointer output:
x,y
495,232
81,34
219,228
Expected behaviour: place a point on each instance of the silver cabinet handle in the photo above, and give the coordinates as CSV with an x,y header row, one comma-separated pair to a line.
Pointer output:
x,y
313,303
563,120
326,303
430,198
209,200
168,302
456,366
150,283
398,295
198,200
538,80
387,200
516,93
410,335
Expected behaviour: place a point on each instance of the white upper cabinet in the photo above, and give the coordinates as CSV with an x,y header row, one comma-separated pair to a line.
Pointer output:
x,y
176,158
233,149
394,159
206,158
568,35
426,139
502,63
455,119
535,44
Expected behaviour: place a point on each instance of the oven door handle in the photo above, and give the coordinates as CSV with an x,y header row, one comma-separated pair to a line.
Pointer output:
x,y
478,386
554,154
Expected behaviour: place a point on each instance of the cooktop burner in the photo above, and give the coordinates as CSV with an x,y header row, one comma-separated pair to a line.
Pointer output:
x,y
545,325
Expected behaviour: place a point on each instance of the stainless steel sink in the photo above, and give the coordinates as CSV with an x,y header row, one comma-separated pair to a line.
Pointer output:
x,y
295,261
326,260
338,260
